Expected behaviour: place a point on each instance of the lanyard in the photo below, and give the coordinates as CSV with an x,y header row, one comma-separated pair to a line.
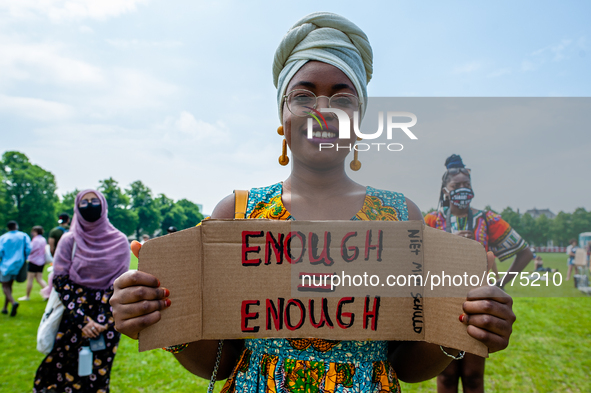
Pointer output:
x,y
448,220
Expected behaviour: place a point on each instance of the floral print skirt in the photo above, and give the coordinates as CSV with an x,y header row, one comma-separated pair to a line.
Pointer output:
x,y
58,372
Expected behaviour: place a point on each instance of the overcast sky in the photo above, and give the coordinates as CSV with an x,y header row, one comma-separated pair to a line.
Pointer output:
x,y
179,94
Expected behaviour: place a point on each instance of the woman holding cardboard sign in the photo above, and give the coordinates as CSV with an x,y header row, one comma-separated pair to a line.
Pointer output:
x,y
458,217
324,61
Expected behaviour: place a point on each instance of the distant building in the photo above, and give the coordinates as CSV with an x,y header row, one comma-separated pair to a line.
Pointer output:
x,y
535,213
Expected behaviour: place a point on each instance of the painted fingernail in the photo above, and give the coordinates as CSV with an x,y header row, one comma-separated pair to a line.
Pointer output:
x,y
158,282
167,302
462,318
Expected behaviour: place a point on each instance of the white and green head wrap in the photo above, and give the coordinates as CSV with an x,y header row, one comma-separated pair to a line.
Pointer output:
x,y
331,39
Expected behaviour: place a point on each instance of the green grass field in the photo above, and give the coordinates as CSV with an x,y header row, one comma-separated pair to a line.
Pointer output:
x,y
550,349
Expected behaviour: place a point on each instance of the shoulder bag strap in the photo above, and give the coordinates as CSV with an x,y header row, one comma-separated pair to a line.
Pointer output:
x,y
73,251
470,220
241,200
25,247
448,220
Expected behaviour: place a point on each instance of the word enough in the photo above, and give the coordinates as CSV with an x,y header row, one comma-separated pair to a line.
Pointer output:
x,y
282,247
293,314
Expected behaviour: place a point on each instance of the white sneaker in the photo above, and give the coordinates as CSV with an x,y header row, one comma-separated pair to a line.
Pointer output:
x,y
24,299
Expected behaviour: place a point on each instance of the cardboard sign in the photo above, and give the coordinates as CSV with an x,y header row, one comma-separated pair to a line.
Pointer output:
x,y
338,280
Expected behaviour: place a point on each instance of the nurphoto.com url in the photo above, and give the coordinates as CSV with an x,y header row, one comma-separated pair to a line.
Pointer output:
x,y
524,279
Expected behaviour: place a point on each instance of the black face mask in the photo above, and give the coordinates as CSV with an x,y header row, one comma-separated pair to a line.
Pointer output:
x,y
91,213
461,197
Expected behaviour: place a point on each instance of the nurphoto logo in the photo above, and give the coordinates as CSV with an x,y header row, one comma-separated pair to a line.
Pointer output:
x,y
344,131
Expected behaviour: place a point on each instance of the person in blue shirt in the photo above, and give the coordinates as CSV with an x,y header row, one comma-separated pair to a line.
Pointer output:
x,y
15,247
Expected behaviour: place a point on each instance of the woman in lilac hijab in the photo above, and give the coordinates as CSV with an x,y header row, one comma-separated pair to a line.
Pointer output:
x,y
87,261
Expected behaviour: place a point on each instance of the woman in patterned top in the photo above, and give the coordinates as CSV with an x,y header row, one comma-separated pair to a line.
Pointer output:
x,y
323,61
455,215
87,261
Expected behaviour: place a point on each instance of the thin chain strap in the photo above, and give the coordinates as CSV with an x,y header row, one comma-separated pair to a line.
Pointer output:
x,y
215,368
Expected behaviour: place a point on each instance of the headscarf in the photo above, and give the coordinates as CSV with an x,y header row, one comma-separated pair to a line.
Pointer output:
x,y
102,251
331,39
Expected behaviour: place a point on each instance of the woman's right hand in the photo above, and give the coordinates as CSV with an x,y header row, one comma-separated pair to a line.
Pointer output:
x,y
137,300
92,329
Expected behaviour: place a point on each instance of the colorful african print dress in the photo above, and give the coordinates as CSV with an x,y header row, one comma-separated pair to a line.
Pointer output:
x,y
494,233
309,365
59,370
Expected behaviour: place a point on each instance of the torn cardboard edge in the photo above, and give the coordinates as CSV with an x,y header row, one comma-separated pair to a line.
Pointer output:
x,y
222,288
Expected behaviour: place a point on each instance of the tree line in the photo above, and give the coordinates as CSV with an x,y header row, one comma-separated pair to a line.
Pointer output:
x,y
540,230
28,196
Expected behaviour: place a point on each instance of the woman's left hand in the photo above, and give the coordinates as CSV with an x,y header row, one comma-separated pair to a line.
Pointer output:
x,y
488,312
92,329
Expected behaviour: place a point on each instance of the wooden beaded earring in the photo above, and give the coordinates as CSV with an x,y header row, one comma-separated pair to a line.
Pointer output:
x,y
356,164
283,158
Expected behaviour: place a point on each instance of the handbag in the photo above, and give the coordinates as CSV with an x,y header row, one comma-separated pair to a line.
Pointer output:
x,y
50,323
240,206
52,317
48,256
22,273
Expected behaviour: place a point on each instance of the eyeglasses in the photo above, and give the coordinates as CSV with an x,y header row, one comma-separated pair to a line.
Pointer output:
x,y
455,171
94,202
301,102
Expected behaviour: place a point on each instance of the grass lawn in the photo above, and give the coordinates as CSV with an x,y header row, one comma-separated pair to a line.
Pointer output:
x,y
550,348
